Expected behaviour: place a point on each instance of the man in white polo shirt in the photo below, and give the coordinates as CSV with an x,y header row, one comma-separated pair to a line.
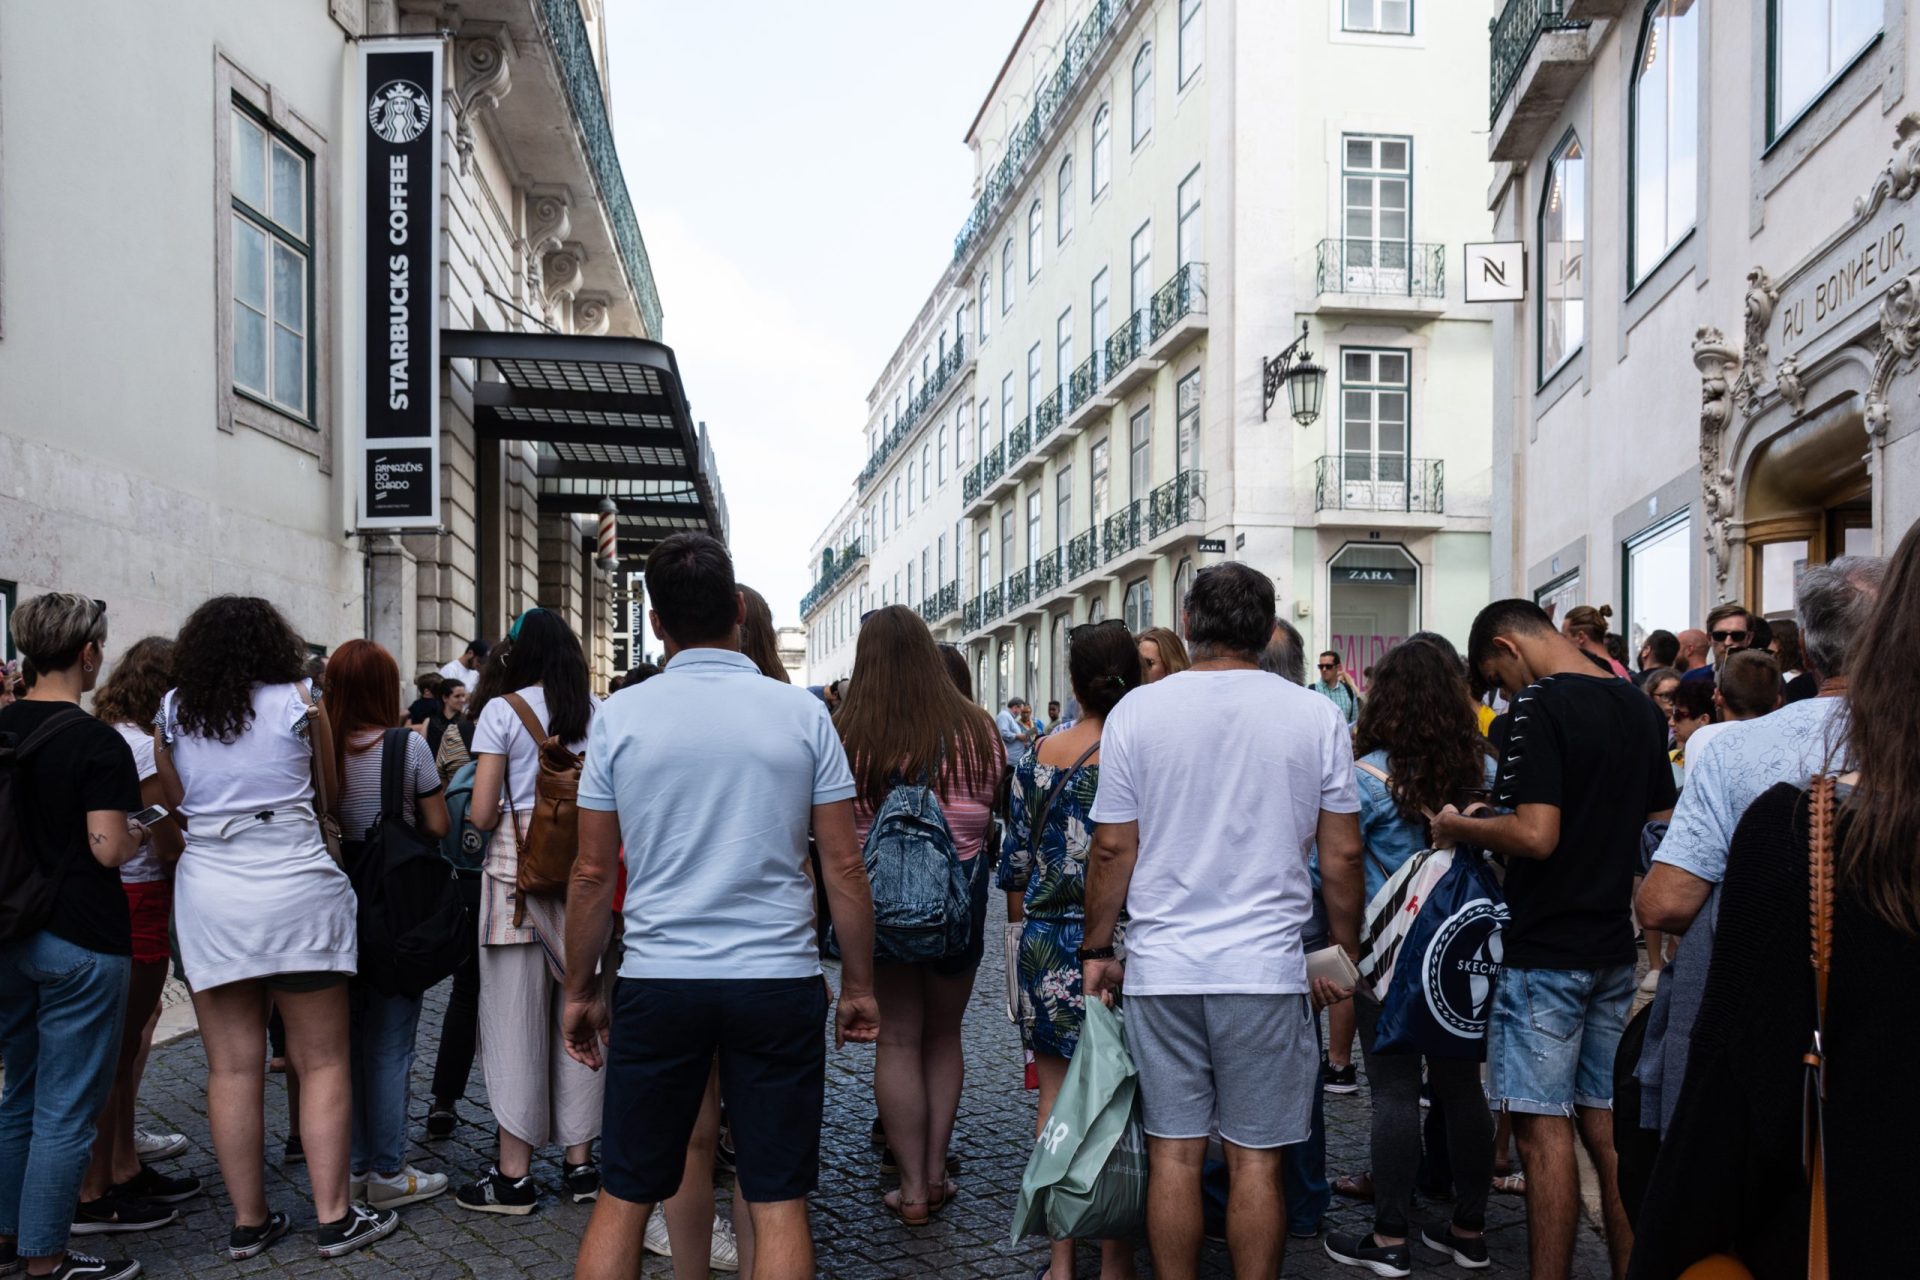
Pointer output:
x,y
711,775
1214,783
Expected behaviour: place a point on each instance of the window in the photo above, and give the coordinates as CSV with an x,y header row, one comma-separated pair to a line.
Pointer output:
x,y
1373,419
986,432
1006,542
911,487
1659,593
1193,36
1186,431
1382,17
1563,236
1097,304
1006,276
1033,524
1063,507
1102,150
1033,377
986,300
1138,607
1140,271
1063,203
1666,120
883,517
1033,663
1188,234
908,599
1063,350
1005,689
926,468
272,266
1182,583
1036,220
1376,181
1057,688
980,686
1143,93
940,561
986,570
1099,481
943,453
1810,43
910,388
899,508
1140,453
1097,611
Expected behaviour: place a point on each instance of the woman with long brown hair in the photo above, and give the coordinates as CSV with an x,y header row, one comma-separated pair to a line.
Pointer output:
x,y
758,639
1417,748
1161,654
904,718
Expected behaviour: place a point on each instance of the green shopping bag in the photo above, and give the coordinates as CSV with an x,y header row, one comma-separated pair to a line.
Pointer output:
x,y
1087,1177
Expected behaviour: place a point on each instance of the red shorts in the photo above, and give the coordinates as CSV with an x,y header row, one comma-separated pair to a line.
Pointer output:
x,y
150,903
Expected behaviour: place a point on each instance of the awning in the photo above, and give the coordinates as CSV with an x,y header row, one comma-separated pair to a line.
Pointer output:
x,y
610,419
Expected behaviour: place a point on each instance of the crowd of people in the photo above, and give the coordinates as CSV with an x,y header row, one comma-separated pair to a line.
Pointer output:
x,y
636,900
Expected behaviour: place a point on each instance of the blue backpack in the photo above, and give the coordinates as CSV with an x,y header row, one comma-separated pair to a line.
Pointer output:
x,y
921,891
464,845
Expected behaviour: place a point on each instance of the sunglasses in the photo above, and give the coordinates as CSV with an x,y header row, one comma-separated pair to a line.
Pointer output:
x,y
1730,637
1326,666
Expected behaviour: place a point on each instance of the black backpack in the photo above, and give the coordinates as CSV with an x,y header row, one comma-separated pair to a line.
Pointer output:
x,y
27,889
414,930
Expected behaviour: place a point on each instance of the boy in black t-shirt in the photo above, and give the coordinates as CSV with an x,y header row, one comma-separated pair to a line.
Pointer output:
x,y
1584,769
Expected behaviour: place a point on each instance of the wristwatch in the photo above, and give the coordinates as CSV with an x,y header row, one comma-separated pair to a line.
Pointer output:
x,y
1095,953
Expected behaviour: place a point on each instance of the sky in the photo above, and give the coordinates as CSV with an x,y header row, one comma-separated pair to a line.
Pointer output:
x,y
799,172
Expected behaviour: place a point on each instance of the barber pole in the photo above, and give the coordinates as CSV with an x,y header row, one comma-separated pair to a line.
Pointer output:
x,y
608,539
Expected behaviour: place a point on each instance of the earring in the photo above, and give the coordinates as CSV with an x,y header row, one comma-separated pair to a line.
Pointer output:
x,y
87,667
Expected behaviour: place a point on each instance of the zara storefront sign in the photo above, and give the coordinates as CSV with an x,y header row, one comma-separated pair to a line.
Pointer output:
x,y
397,238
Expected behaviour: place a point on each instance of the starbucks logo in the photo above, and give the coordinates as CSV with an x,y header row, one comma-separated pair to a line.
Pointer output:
x,y
1462,960
399,111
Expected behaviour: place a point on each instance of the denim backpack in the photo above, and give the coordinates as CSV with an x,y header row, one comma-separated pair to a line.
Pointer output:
x,y
465,845
921,891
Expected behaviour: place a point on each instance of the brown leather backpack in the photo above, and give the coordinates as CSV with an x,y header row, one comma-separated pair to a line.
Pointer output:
x,y
553,832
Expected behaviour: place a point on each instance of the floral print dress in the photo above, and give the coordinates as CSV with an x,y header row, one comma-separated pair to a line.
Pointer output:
x,y
1054,882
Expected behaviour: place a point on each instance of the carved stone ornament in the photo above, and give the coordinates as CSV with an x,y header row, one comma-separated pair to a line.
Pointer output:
x,y
549,219
592,313
1787,383
483,56
1901,178
563,272
1899,344
1762,297
1716,362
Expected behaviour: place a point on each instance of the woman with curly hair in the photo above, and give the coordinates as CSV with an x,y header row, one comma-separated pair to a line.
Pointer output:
x,y
263,913
1417,749
128,701
1161,654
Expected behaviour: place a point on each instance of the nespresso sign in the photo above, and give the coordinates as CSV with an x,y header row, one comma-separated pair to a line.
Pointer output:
x,y
396,233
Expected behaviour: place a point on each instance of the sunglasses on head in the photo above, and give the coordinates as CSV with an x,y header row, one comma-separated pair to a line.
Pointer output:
x,y
1730,637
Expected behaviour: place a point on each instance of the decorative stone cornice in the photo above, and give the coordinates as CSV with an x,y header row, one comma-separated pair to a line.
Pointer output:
x,y
1716,362
592,313
562,272
549,219
483,58
1901,178
1762,297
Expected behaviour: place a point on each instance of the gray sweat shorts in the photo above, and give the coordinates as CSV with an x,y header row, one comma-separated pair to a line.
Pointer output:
x,y
1245,1066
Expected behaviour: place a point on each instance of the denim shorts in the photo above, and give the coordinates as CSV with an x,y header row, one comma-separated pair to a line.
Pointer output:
x,y
1552,1037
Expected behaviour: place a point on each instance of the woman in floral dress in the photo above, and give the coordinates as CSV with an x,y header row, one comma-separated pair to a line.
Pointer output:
x,y
1044,871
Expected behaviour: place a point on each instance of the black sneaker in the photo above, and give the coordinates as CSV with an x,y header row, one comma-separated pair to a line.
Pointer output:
x,y
441,1122
360,1228
1468,1251
582,1181
246,1242
1365,1251
157,1188
1339,1079
113,1213
493,1192
84,1266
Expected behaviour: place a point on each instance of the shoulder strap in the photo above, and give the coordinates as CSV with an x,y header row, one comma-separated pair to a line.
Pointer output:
x,y
394,749
55,724
1820,915
1386,780
321,793
521,708
1046,806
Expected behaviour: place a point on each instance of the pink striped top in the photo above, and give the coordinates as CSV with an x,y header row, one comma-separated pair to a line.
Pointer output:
x,y
969,812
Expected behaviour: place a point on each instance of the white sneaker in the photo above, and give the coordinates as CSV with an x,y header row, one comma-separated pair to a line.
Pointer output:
x,y
409,1186
158,1146
725,1255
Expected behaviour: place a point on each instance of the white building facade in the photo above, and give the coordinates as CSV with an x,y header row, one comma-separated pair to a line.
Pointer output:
x,y
1167,193
178,416
1709,384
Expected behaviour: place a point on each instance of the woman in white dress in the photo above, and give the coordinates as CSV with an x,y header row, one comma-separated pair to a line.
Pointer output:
x,y
263,914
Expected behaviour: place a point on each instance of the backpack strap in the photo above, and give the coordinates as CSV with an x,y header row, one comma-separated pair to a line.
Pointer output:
x,y
59,722
394,749
523,709
1820,914
1046,806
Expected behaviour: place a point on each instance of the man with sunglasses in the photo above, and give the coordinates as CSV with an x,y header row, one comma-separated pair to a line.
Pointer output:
x,y
1335,683
1730,628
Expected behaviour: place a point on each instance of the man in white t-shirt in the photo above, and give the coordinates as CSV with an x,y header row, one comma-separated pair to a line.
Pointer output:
x,y
1214,783
466,667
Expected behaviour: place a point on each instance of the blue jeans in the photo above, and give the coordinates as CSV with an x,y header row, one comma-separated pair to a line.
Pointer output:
x,y
1552,1038
382,1028
61,1007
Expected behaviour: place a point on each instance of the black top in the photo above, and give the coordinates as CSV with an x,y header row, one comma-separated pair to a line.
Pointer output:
x,y
1595,748
422,710
1800,688
82,768
1729,1177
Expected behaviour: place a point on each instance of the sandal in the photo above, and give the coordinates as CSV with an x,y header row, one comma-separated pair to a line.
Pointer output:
x,y
1354,1186
949,1191
1511,1184
897,1205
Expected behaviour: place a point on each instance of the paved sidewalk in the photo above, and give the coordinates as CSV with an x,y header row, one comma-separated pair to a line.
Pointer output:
x,y
857,1240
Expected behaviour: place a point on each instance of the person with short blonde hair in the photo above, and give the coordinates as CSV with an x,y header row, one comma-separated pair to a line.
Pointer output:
x,y
1161,654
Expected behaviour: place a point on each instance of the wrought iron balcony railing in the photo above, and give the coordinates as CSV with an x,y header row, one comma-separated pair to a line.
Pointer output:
x,y
1046,416
992,604
1121,533
1382,267
996,462
970,484
910,415
834,565
970,615
941,602
1085,381
1512,36
1046,572
1123,348
1179,500
1083,553
1019,588
1180,297
1379,482
1019,440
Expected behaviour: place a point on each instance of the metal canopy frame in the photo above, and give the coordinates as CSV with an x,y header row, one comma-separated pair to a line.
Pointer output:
x,y
610,419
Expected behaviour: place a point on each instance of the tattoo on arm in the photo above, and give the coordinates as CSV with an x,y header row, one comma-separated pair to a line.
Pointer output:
x,y
96,838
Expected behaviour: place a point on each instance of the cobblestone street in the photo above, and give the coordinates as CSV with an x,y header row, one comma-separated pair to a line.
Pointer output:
x,y
856,1239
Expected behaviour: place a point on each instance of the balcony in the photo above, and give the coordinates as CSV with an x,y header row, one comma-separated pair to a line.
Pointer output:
x,y
1381,484
970,615
970,485
992,604
1592,10
1126,368
1046,572
990,469
1121,531
944,375
1538,55
1019,589
1179,311
1020,445
834,565
1381,277
1179,500
1083,554
941,603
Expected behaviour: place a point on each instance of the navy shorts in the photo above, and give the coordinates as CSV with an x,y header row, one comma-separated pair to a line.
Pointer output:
x,y
770,1036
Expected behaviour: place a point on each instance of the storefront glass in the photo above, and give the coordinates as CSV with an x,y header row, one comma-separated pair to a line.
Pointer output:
x,y
1373,603
1659,585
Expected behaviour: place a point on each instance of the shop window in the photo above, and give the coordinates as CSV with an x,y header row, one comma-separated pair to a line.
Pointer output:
x,y
1559,596
1563,246
1004,689
1182,583
1659,594
1373,597
1139,605
1666,124
1031,689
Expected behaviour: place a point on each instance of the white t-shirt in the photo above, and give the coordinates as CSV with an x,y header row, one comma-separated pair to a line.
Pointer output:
x,y
1226,772
267,767
1701,737
145,866
469,676
499,732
